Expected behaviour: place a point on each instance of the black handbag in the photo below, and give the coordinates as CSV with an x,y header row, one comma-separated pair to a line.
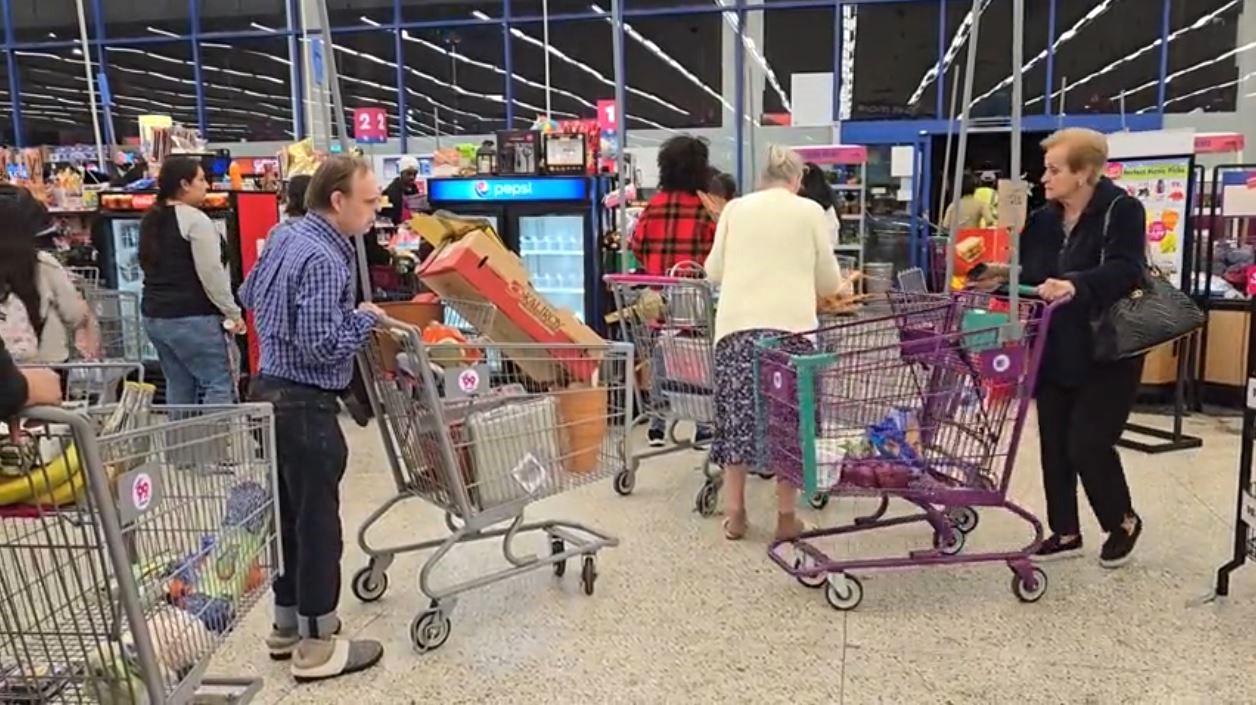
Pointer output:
x,y
1155,312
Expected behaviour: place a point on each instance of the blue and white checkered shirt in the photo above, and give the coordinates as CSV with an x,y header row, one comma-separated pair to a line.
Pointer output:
x,y
301,293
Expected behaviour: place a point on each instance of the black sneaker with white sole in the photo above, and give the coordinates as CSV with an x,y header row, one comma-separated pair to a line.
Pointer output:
x,y
1054,549
656,437
703,437
1120,545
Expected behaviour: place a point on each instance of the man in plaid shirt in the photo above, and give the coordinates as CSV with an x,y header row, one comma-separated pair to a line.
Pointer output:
x,y
676,227
301,294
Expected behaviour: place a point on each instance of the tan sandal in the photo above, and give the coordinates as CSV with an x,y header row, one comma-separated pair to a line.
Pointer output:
x,y
789,527
735,525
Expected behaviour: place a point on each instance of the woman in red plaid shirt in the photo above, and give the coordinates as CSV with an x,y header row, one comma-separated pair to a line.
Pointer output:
x,y
676,227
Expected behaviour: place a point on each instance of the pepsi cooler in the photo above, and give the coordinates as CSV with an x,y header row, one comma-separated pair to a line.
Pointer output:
x,y
552,222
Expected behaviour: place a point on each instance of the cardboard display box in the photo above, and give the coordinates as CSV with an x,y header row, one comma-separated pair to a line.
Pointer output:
x,y
477,274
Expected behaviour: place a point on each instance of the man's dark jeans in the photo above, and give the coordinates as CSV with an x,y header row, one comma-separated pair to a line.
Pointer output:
x,y
312,456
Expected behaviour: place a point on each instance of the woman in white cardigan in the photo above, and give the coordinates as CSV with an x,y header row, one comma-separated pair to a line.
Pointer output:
x,y
772,258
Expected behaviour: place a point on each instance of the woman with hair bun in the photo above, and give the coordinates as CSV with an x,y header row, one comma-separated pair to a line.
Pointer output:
x,y
772,260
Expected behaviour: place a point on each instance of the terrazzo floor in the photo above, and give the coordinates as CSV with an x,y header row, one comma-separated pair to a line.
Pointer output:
x,y
681,616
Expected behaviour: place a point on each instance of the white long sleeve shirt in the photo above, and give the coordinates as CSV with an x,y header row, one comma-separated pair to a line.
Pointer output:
x,y
772,258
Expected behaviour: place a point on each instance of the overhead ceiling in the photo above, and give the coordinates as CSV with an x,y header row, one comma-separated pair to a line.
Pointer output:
x,y
454,78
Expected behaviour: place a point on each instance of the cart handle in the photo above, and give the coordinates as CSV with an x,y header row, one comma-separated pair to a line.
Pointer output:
x,y
1032,292
647,280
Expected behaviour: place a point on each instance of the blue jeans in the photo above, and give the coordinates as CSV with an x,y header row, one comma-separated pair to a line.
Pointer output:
x,y
194,359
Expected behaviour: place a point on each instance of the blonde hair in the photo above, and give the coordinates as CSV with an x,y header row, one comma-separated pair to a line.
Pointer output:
x,y
1085,149
784,165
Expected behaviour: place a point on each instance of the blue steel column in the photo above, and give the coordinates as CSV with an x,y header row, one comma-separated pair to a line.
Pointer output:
x,y
194,13
401,77
838,38
739,93
1046,96
940,80
15,81
508,66
296,54
1165,19
102,67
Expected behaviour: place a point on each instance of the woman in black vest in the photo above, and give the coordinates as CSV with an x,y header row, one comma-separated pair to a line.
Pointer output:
x,y
188,305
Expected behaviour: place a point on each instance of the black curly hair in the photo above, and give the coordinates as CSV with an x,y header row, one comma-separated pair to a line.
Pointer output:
x,y
684,165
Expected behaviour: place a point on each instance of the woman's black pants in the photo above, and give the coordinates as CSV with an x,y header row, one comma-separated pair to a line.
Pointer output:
x,y
1078,428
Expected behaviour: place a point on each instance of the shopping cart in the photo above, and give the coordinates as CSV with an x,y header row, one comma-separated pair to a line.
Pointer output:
x,y
85,278
125,570
926,405
107,351
481,430
670,323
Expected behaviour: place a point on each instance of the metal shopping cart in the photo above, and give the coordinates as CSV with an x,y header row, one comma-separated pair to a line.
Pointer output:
x,y
670,322
481,430
927,405
136,549
85,279
107,351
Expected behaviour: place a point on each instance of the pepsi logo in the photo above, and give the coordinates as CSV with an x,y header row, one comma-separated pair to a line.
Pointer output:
x,y
481,188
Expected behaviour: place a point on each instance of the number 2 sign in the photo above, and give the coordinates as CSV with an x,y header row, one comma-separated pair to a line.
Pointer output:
x,y
370,125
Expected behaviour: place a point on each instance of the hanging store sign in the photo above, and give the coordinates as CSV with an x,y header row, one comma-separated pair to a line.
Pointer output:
x,y
1238,194
553,188
370,125
607,116
830,154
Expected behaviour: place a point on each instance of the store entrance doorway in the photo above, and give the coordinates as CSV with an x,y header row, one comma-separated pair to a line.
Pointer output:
x,y
988,150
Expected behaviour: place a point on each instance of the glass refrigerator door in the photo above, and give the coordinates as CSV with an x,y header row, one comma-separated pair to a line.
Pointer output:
x,y
552,248
127,272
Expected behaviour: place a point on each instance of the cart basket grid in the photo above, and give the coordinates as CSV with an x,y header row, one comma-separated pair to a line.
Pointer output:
x,y
484,426
137,553
928,399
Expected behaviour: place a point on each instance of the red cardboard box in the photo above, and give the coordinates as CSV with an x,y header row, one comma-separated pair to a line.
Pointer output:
x,y
478,272
975,246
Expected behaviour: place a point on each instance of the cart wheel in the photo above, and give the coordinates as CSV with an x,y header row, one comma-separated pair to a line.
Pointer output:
x,y
1024,591
368,587
708,497
430,630
951,547
843,598
556,547
588,574
625,482
820,500
815,582
964,519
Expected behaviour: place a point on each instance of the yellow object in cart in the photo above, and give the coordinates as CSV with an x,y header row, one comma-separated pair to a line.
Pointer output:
x,y
45,479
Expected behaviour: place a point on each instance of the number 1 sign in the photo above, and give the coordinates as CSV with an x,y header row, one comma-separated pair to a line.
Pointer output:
x,y
370,125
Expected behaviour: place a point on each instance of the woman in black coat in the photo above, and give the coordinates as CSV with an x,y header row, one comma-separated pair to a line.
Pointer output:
x,y
1087,244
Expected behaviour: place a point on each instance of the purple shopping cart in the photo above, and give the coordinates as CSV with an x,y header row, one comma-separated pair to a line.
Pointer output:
x,y
926,405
